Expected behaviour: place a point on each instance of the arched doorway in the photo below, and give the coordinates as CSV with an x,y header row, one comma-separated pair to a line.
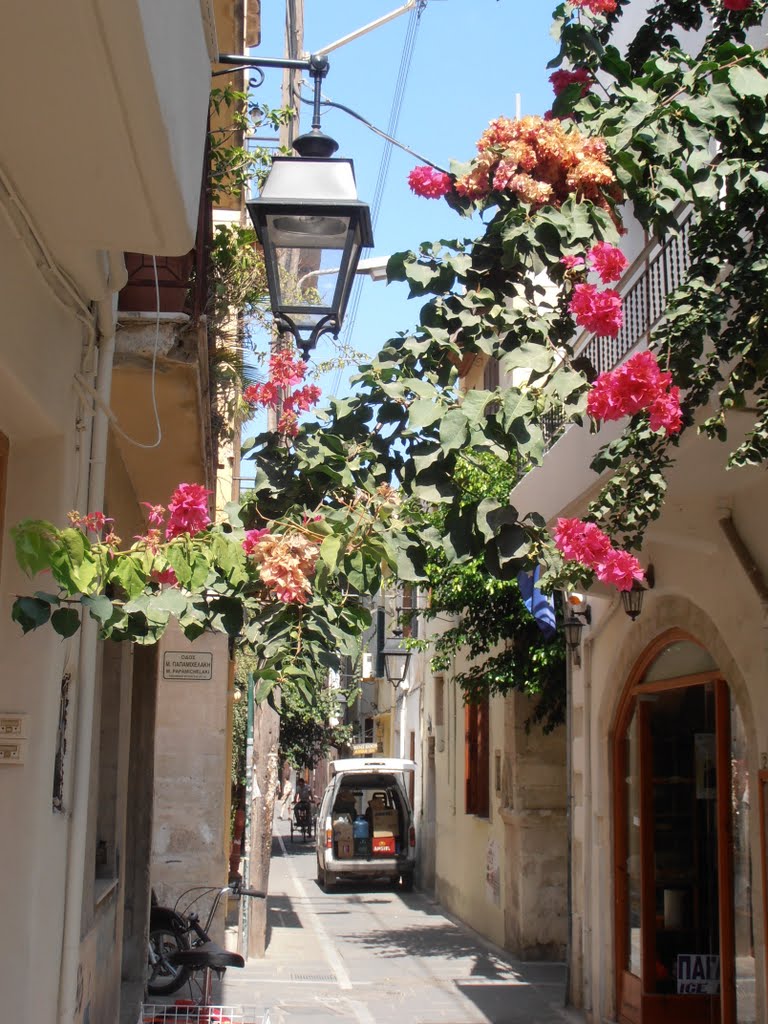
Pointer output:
x,y
682,880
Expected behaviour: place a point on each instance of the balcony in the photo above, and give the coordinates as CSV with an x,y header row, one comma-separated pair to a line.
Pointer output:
x,y
658,270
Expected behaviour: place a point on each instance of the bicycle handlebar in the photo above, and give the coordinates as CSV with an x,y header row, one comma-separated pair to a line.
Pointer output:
x,y
252,892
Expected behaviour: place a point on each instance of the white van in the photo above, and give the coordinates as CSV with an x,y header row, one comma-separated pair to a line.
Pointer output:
x,y
365,828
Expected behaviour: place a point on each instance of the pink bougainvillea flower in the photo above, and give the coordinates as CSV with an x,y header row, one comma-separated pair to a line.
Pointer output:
x,y
596,6
620,568
609,262
737,5
112,541
252,538
588,544
156,513
666,412
581,542
596,311
95,522
151,538
429,182
572,262
187,510
165,576
261,394
630,388
562,79
303,399
285,371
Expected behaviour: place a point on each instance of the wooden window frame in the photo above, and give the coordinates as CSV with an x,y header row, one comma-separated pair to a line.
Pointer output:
x,y
477,755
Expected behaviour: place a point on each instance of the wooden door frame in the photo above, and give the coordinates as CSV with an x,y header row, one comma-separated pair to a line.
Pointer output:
x,y
617,738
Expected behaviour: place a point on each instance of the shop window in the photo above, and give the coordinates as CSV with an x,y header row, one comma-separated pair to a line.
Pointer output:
x,y
477,756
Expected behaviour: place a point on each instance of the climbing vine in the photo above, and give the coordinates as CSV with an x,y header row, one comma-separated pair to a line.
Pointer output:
x,y
645,132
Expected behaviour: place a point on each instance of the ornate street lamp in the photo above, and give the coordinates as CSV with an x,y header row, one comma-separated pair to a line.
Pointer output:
x,y
632,600
396,661
572,627
310,222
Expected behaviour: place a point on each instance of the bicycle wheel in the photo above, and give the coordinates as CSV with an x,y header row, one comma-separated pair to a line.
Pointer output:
x,y
166,935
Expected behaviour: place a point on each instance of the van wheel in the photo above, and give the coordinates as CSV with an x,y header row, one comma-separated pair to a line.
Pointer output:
x,y
320,876
406,881
329,881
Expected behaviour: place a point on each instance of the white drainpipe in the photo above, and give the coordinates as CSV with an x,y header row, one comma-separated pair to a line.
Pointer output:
x,y
78,860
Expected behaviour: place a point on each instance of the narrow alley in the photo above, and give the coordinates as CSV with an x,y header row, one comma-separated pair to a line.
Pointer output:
x,y
369,954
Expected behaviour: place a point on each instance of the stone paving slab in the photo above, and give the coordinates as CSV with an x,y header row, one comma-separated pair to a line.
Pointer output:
x,y
380,957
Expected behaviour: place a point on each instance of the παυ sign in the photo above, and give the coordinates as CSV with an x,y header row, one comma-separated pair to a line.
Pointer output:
x,y
698,974
187,665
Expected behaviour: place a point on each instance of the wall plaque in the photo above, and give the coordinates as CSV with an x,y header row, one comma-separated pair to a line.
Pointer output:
x,y
187,665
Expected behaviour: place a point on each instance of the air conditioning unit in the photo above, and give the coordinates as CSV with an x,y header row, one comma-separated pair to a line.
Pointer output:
x,y
367,670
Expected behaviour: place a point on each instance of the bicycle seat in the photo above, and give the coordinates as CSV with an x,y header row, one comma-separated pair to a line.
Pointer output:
x,y
209,954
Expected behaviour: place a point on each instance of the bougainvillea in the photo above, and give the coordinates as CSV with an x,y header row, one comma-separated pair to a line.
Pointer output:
x,y
187,510
563,78
608,261
586,543
596,311
595,6
540,162
636,385
669,98
282,390
429,182
286,562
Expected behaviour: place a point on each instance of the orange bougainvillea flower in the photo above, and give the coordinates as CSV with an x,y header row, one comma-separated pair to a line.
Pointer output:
x,y
539,161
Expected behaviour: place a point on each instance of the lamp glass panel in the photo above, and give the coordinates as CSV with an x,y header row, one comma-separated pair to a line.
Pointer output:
x,y
307,279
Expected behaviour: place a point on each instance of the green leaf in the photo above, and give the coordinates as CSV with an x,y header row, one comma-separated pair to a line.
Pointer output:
x,y
65,621
453,430
423,413
100,607
30,612
127,572
178,559
747,81
35,541
330,549
170,600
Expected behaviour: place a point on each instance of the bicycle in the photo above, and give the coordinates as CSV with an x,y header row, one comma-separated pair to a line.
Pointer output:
x,y
303,819
180,946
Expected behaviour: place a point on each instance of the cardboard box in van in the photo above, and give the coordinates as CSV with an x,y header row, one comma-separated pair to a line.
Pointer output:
x,y
386,821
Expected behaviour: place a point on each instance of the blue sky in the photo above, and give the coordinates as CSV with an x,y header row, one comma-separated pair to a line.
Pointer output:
x,y
471,58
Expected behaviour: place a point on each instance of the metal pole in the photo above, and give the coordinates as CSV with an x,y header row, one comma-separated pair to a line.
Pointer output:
x,y
239,61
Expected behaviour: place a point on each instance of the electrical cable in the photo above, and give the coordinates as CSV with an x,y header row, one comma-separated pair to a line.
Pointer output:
x,y
390,140
381,181
377,131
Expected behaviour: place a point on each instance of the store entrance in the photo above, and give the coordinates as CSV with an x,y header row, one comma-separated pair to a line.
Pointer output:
x,y
674,854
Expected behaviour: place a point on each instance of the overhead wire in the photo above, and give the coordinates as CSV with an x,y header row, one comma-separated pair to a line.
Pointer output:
x,y
398,97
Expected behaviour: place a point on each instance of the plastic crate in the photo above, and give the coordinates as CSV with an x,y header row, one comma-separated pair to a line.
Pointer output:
x,y
183,1013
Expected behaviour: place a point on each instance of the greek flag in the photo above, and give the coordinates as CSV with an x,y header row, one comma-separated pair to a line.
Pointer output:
x,y
541,606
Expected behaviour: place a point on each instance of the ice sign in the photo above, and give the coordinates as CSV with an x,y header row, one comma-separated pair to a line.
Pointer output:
x,y
187,665
698,974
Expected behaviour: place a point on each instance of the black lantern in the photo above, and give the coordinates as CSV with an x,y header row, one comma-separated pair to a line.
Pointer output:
x,y
572,627
632,600
313,228
396,661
